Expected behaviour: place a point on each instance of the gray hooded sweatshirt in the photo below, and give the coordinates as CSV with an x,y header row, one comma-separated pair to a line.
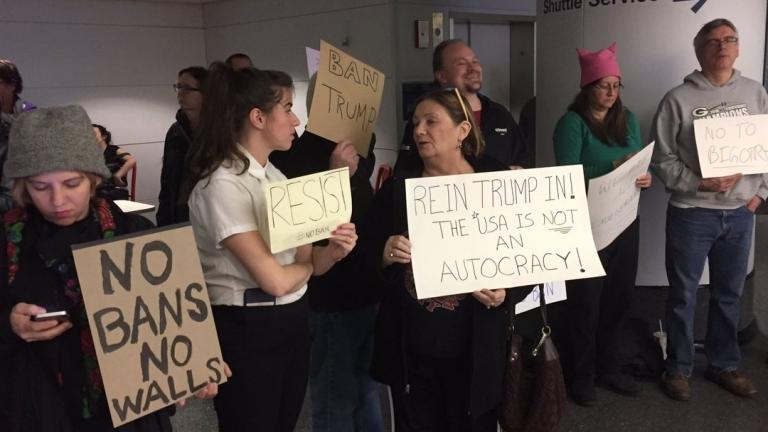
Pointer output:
x,y
675,158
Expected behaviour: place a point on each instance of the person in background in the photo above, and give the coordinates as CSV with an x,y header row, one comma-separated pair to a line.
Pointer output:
x,y
258,299
342,307
189,93
455,65
50,374
707,218
11,106
599,133
442,357
239,61
118,161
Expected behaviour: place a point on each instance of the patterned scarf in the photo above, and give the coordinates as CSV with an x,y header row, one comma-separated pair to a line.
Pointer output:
x,y
15,220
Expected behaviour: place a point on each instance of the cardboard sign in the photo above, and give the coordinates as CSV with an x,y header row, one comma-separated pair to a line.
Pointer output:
x,y
151,320
306,209
347,97
553,292
732,145
613,198
499,230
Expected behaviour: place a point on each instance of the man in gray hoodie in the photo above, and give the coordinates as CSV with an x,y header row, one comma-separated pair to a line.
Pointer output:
x,y
706,218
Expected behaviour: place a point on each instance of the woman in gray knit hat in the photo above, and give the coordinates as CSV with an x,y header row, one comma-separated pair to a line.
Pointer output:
x,y
48,368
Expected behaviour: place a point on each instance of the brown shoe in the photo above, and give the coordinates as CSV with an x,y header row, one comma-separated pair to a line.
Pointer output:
x,y
676,386
733,381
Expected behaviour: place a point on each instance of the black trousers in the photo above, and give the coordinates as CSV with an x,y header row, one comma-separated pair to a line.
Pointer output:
x,y
267,349
598,308
438,398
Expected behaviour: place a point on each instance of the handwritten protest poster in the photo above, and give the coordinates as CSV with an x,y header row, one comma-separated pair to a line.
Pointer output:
x,y
732,145
499,230
553,292
347,97
613,198
306,209
151,320
313,61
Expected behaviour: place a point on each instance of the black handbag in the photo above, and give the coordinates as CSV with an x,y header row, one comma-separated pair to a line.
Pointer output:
x,y
534,397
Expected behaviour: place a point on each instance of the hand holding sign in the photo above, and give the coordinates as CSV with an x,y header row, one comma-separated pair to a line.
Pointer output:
x,y
719,184
345,155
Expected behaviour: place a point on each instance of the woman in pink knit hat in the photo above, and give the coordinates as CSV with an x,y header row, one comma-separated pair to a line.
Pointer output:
x,y
599,133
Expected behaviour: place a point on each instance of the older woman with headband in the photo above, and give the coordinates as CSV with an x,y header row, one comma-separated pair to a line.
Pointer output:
x,y
599,133
443,357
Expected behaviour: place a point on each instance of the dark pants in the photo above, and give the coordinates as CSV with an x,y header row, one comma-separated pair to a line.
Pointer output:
x,y
598,308
344,396
267,349
438,398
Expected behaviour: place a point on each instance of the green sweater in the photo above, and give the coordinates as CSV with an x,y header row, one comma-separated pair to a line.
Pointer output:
x,y
575,144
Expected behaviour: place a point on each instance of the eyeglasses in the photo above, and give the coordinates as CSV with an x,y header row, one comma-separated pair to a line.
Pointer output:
x,y
181,88
456,92
717,43
605,87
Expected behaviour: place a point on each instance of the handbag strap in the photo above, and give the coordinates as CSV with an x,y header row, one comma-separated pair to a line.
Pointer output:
x,y
543,305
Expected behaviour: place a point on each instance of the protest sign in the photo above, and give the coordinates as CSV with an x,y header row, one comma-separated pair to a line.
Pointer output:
x,y
313,61
306,209
613,198
553,292
346,100
732,145
499,230
150,318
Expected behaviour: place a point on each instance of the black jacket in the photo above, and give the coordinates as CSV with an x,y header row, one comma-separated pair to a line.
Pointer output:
x,y
42,381
489,326
343,286
177,143
503,140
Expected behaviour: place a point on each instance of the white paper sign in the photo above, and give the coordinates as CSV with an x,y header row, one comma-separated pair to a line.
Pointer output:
x,y
313,60
553,292
613,198
732,145
499,230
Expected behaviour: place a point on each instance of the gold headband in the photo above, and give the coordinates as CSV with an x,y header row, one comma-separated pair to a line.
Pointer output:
x,y
461,101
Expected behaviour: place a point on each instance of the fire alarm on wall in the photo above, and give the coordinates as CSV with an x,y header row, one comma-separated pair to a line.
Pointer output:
x,y
437,28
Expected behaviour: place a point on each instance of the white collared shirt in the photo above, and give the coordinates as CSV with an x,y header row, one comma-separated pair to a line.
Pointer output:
x,y
233,203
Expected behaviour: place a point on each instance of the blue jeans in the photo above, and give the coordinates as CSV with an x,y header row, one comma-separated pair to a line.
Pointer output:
x,y
723,236
344,397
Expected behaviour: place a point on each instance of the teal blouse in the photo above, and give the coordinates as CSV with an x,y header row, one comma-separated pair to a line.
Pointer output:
x,y
575,144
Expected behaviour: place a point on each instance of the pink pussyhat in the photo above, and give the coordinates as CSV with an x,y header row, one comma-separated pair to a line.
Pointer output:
x,y
599,64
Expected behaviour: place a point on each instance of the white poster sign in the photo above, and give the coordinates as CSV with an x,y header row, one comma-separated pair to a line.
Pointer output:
x,y
553,292
313,60
732,145
613,198
499,230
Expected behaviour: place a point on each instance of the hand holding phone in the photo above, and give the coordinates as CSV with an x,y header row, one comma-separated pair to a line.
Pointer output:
x,y
39,330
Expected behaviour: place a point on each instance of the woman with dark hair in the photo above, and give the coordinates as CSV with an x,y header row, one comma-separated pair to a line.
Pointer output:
x,y
118,162
599,133
442,357
261,312
189,93
50,374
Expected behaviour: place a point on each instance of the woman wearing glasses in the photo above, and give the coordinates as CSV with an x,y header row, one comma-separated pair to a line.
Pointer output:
x,y
599,133
189,93
443,357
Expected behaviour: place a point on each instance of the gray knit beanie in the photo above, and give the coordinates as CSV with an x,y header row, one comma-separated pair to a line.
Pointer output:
x,y
53,139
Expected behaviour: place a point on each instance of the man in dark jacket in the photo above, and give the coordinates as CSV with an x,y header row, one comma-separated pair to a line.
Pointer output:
x,y
454,64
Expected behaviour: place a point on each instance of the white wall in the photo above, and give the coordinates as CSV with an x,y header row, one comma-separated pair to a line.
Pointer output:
x,y
274,35
118,59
